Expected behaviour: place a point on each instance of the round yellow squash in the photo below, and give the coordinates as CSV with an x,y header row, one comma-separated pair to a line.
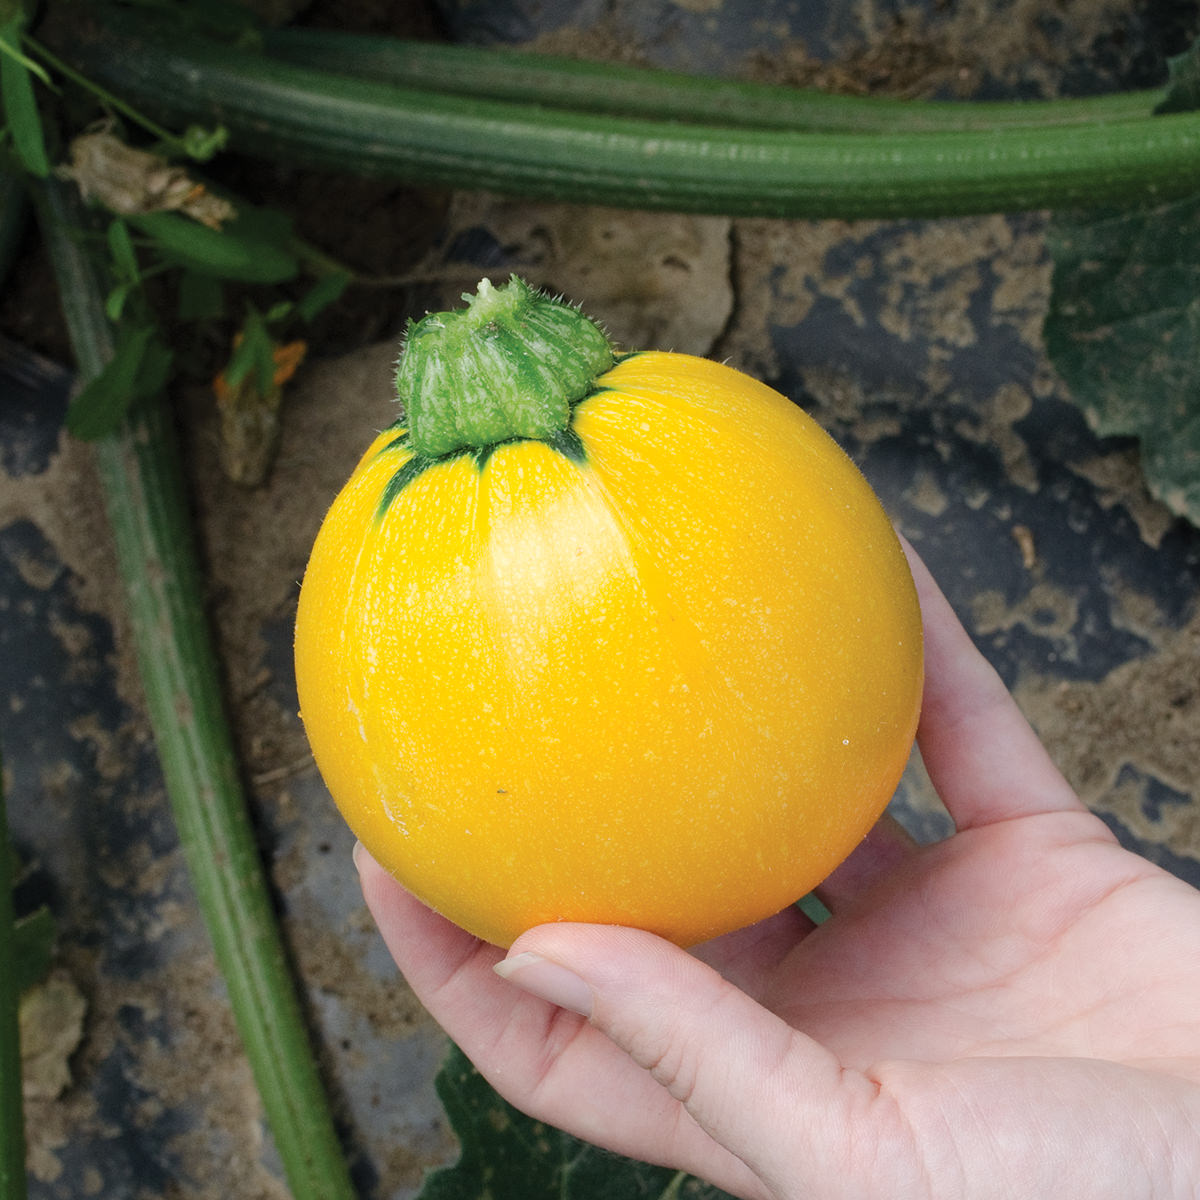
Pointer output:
x,y
660,668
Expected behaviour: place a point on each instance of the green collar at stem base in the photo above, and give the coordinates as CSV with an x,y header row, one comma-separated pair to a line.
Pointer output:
x,y
511,364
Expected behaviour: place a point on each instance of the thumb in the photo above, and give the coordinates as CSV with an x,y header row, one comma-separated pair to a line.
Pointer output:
x,y
754,1085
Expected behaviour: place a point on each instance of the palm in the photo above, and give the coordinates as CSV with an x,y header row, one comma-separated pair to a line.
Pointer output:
x,y
975,1015
955,953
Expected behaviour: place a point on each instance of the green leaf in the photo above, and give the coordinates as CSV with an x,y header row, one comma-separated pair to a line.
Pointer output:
x,y
120,247
202,144
13,20
249,249
33,944
136,369
508,1156
20,106
33,934
1123,330
114,302
278,310
255,351
326,291
1183,82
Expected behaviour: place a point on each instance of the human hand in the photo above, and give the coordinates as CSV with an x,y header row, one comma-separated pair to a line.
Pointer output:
x,y
1011,1013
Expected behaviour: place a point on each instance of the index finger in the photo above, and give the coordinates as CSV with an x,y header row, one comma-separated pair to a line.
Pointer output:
x,y
984,759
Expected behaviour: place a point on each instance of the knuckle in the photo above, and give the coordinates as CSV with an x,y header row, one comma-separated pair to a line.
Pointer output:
x,y
677,1051
675,1067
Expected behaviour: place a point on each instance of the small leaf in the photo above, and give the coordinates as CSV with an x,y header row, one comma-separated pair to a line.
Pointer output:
x,y
102,404
246,250
120,247
508,1156
1183,82
114,302
1123,330
33,944
253,351
326,291
203,144
20,106
278,310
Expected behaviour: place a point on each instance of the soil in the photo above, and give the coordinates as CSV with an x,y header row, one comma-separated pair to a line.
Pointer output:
x,y
924,335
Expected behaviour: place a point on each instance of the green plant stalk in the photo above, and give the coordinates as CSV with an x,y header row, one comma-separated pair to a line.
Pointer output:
x,y
297,114
12,1112
19,104
145,497
622,90
110,101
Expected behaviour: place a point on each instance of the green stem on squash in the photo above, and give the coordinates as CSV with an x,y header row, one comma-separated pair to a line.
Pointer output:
x,y
511,364
623,90
144,494
298,114
12,1112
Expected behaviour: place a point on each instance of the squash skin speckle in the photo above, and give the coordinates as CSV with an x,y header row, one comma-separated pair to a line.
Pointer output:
x,y
668,681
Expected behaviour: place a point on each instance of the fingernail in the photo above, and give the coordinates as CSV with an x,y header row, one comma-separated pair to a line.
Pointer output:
x,y
548,981
359,855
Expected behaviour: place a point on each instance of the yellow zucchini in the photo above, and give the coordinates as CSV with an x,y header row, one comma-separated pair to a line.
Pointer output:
x,y
655,662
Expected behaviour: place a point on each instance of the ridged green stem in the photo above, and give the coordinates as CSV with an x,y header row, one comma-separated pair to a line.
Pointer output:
x,y
145,497
619,89
511,364
297,114
12,1112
